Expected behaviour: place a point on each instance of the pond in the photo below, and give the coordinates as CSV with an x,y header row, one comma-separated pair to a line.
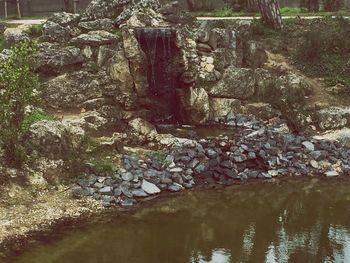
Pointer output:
x,y
298,221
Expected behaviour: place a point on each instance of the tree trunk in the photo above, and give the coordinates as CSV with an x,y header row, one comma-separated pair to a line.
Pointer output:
x,y
270,13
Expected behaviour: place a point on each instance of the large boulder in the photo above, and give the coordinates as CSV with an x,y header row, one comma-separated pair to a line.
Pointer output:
x,y
236,83
333,118
254,54
71,90
15,36
195,105
145,7
262,110
104,9
5,55
95,38
222,107
105,24
137,62
53,58
53,139
64,18
120,73
54,32
143,128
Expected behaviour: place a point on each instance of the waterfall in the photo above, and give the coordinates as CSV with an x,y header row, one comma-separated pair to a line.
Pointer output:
x,y
159,47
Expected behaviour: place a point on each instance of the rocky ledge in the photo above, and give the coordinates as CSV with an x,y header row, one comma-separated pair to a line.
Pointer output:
x,y
257,151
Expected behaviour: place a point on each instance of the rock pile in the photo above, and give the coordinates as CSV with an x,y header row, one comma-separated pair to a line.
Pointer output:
x,y
257,151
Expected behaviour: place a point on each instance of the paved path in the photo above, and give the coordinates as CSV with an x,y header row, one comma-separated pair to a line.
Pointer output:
x,y
26,21
257,17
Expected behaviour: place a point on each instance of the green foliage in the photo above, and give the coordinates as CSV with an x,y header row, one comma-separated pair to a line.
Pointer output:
x,y
18,87
36,116
324,51
35,31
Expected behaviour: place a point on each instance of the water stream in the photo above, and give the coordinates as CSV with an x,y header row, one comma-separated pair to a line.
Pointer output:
x,y
298,221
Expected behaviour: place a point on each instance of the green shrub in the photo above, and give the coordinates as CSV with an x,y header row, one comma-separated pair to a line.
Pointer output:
x,y
18,87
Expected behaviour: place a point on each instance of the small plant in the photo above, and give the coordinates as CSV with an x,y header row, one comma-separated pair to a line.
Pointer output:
x,y
18,86
35,31
160,156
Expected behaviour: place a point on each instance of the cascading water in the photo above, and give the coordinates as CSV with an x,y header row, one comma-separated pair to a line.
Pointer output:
x,y
161,51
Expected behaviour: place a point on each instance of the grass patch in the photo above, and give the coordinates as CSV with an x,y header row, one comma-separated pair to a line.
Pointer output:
x,y
225,12
324,51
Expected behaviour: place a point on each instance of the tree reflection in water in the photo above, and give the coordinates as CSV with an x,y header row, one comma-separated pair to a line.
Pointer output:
x,y
304,221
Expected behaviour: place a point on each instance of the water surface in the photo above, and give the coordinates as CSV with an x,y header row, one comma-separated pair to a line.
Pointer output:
x,y
304,221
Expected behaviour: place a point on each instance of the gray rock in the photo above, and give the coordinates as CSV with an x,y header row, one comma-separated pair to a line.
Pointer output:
x,y
127,176
309,146
200,168
94,38
175,187
176,170
236,83
53,32
332,173
314,164
105,24
117,191
211,153
139,193
107,190
127,202
52,58
64,18
15,36
150,188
